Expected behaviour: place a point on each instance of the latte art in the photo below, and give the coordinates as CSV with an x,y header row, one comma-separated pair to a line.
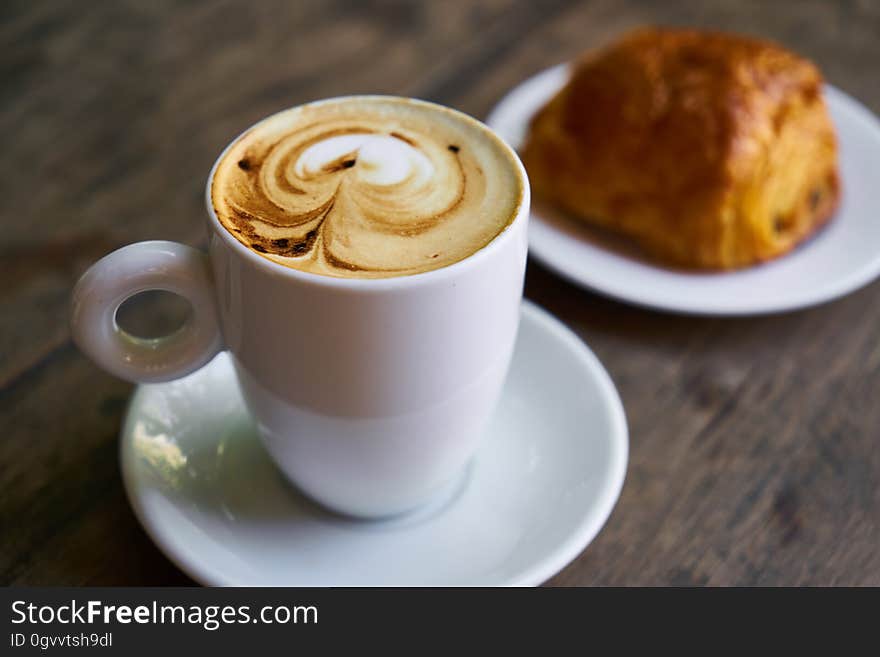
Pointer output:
x,y
367,187
384,160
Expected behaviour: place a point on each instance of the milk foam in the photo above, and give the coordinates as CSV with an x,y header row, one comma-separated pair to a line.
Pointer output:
x,y
367,187
382,160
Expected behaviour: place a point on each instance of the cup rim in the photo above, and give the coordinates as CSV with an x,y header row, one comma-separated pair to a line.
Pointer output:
x,y
393,282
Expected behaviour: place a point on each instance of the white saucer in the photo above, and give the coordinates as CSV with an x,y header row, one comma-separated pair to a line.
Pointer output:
x,y
839,259
537,493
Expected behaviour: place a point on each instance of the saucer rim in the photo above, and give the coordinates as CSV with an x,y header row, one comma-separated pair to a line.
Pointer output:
x,y
594,520
580,536
862,275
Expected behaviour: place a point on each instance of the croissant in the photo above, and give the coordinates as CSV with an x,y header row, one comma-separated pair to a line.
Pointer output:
x,y
708,150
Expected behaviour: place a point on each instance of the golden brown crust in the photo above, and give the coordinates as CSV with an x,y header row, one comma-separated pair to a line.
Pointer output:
x,y
710,150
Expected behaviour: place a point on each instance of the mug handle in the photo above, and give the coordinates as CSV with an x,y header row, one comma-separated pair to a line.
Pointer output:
x,y
154,265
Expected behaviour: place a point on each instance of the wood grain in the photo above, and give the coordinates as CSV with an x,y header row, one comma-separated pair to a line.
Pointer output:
x,y
755,443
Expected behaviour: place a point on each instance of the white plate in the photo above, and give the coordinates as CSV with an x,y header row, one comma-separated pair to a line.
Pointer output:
x,y
537,493
842,257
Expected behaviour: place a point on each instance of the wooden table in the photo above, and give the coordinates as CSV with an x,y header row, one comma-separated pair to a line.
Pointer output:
x,y
755,443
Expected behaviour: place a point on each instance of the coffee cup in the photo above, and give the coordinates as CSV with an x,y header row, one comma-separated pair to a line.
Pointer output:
x,y
371,394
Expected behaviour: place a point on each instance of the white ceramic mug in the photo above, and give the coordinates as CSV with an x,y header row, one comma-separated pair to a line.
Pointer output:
x,y
370,394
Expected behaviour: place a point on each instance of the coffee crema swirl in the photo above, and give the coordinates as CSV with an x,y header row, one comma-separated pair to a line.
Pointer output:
x,y
367,187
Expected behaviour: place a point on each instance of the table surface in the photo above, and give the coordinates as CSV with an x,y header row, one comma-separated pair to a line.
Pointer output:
x,y
754,457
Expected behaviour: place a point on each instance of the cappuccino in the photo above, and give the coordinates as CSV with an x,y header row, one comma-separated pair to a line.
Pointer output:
x,y
367,187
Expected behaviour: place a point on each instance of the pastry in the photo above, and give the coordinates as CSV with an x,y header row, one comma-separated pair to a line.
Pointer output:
x,y
709,150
